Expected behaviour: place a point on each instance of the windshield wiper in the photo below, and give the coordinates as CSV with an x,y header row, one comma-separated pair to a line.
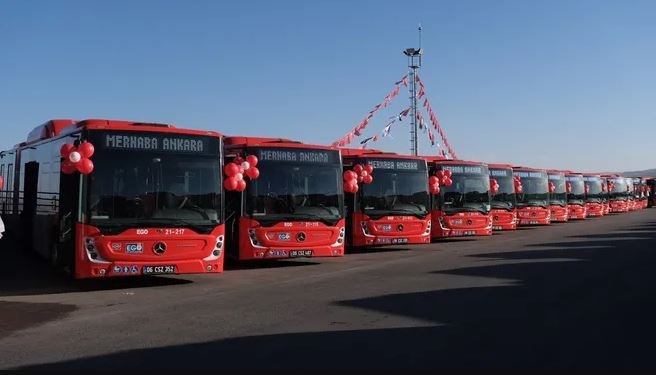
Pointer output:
x,y
408,211
469,209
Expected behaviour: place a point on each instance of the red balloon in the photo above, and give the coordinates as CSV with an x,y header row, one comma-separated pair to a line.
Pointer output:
x,y
239,176
241,185
350,186
349,175
568,187
252,160
68,167
238,160
519,189
358,168
231,169
359,179
587,188
66,149
440,174
367,179
355,188
84,166
240,169
433,180
2,182
434,188
86,149
369,168
448,173
230,183
253,173
447,181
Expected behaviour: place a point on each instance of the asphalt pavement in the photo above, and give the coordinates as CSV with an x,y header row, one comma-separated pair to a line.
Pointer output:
x,y
574,296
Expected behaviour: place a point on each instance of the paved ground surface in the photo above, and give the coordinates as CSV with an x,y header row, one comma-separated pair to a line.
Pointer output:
x,y
577,296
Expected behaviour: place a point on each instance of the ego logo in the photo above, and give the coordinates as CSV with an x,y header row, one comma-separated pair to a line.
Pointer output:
x,y
134,248
284,237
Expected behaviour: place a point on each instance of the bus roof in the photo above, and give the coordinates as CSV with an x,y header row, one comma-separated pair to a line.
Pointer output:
x,y
499,166
56,127
244,141
373,153
530,169
456,161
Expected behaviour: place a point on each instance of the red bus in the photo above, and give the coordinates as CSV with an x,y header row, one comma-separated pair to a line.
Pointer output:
x,y
461,208
631,202
639,189
596,196
651,192
533,202
618,194
558,196
576,208
295,208
504,202
148,199
394,208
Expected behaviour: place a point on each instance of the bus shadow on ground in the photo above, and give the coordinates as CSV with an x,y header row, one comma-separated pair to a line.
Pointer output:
x,y
25,273
586,305
377,249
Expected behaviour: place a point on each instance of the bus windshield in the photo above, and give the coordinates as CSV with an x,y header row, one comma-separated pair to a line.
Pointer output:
x,y
504,198
396,192
294,190
469,192
577,195
595,194
559,196
535,189
157,187
619,191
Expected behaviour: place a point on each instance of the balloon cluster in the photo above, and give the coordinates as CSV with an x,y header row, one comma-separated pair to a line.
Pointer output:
x,y
611,185
568,187
518,185
494,186
441,178
2,182
587,188
77,158
236,170
359,173
603,188
552,187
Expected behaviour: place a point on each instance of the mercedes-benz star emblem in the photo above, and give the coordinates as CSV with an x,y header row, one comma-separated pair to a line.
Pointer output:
x,y
400,227
159,248
300,237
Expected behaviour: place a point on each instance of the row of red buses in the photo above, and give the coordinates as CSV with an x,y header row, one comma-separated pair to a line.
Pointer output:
x,y
106,198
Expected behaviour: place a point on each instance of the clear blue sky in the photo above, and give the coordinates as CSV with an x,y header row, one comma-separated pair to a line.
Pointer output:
x,y
562,84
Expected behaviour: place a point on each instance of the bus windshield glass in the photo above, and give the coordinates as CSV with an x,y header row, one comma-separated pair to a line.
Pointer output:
x,y
577,195
469,192
296,185
504,198
559,196
535,189
400,187
595,194
154,179
620,189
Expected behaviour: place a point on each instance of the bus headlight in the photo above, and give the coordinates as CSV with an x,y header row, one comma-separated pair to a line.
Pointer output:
x,y
217,250
92,251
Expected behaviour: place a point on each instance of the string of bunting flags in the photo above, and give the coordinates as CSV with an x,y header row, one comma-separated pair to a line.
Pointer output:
x,y
386,130
357,130
433,118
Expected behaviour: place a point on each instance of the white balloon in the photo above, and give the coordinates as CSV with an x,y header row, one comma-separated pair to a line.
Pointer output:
x,y
245,165
74,157
239,176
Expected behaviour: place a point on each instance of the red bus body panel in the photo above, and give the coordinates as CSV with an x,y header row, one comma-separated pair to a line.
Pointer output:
x,y
289,239
504,219
389,230
559,214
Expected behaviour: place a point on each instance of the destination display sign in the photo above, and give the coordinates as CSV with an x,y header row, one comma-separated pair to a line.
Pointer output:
x,y
294,155
397,164
531,174
465,169
158,142
591,178
500,172
574,178
556,177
